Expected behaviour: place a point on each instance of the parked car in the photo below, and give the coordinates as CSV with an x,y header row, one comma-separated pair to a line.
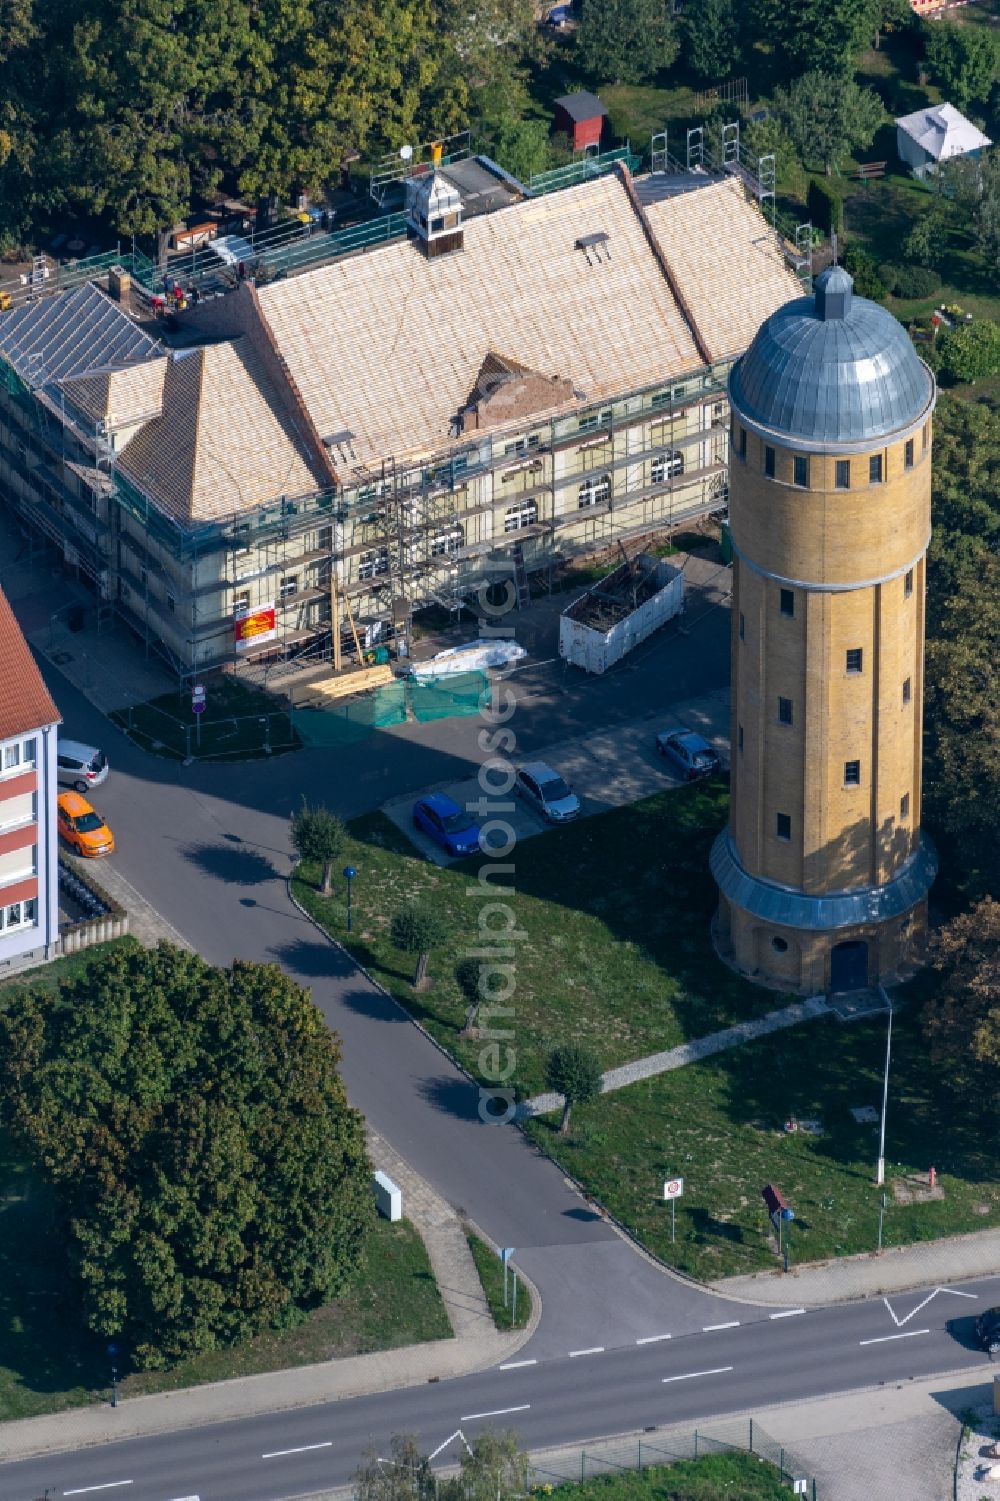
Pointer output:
x,y
447,823
83,830
688,751
80,766
547,793
558,17
988,1331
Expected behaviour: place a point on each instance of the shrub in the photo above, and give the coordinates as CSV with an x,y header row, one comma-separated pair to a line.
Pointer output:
x,y
826,207
909,281
971,351
867,282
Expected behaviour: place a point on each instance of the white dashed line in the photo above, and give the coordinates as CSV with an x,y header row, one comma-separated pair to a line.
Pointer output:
x,y
594,1350
498,1412
718,1370
515,1365
906,1334
708,1328
652,1339
786,1313
110,1486
305,1449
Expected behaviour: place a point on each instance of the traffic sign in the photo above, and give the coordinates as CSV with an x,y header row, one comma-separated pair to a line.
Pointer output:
x,y
673,1188
198,698
800,1486
505,1253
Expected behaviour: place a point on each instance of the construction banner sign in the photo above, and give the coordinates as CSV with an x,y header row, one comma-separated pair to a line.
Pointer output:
x,y
255,627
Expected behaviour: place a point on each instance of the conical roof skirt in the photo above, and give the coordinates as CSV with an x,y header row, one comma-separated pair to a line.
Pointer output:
x,y
831,368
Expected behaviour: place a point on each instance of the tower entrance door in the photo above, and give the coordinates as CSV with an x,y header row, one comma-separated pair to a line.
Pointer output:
x,y
849,965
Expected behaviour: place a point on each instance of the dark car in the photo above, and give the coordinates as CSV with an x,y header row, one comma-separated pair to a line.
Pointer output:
x,y
988,1331
448,824
689,752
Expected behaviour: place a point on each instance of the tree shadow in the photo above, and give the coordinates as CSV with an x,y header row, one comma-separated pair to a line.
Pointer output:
x,y
235,865
452,1095
708,1227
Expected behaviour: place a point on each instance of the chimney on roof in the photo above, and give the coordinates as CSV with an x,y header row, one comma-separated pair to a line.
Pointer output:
x,y
434,214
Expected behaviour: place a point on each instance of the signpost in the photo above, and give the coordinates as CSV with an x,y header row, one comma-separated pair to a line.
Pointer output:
x,y
779,1213
198,706
505,1253
673,1188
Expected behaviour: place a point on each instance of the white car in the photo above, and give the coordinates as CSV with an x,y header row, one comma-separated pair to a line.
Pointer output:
x,y
547,793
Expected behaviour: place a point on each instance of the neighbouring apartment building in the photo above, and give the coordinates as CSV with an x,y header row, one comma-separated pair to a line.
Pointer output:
x,y
478,396
29,845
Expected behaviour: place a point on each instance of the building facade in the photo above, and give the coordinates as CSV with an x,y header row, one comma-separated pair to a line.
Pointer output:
x,y
823,871
29,845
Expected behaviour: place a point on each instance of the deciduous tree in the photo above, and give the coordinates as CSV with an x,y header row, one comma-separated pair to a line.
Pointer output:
x,y
212,1179
963,60
575,1073
417,929
962,1019
625,41
827,117
317,834
711,38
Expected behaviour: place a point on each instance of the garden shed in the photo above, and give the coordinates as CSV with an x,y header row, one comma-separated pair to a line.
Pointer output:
x,y
934,134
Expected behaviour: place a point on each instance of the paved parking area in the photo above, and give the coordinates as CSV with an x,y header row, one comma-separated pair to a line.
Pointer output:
x,y
606,769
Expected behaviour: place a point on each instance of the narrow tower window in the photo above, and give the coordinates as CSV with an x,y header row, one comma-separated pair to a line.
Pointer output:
x,y
908,583
743,627
787,603
904,805
855,659
852,773
801,470
769,462
875,469
742,442
783,826
784,711
908,454
739,737
925,437
843,474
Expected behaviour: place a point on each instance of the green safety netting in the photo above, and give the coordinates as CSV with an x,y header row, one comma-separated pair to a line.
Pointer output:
x,y
449,697
354,719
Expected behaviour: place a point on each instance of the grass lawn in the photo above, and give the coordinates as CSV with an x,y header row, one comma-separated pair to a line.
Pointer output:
x,y
719,1124
744,1477
238,723
47,1363
48,976
490,1269
615,914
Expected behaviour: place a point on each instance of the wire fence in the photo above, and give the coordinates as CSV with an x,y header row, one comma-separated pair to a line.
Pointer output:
x,y
200,738
742,1435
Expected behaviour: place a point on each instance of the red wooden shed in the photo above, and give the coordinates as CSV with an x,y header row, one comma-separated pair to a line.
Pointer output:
x,y
581,117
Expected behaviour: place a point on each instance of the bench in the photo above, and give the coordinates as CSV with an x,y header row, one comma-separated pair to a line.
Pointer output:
x,y
868,170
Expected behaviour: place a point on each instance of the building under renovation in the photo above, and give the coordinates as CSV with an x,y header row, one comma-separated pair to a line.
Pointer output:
x,y
484,394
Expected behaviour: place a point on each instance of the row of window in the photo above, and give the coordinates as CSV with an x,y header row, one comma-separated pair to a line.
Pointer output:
x,y
18,915
785,707
783,821
786,607
19,755
844,474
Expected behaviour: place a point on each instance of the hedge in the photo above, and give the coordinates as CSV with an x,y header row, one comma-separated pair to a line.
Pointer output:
x,y
826,207
909,281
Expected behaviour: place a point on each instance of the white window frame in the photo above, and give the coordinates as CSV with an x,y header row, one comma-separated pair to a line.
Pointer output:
x,y
519,518
27,915
595,491
12,758
288,586
373,564
447,543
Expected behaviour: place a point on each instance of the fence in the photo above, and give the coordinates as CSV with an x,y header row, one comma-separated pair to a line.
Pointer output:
x,y
234,735
351,721
743,1435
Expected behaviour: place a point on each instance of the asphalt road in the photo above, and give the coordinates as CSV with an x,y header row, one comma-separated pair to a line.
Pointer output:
x,y
208,847
572,1399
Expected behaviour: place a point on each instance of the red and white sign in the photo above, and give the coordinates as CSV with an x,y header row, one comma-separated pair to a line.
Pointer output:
x,y
254,627
673,1188
198,698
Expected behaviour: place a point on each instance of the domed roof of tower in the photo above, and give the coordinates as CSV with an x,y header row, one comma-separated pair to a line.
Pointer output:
x,y
831,368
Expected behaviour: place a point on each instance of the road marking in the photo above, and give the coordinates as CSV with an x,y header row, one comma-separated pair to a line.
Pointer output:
x,y
110,1486
305,1449
594,1350
906,1334
515,1365
718,1370
651,1339
188,1498
498,1412
708,1328
786,1313
953,1291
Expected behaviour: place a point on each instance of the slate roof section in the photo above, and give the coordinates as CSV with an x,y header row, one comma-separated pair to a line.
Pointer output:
x,y
70,334
830,380
583,105
25,703
220,445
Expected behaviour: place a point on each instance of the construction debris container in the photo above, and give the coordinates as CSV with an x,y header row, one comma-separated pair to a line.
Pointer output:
x,y
600,627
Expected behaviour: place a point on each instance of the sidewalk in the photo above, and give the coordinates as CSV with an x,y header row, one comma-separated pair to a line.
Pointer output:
x,y
689,1052
960,1258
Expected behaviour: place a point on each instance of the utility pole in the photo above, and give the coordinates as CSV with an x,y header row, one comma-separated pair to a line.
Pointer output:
x,y
880,1172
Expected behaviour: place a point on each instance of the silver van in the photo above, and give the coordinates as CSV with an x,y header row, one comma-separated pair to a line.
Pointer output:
x,y
80,766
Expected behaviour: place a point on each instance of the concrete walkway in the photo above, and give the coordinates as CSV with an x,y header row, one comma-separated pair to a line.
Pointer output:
x,y
961,1258
690,1052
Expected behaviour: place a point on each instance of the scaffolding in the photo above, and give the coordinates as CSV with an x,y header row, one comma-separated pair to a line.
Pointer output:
x,y
391,171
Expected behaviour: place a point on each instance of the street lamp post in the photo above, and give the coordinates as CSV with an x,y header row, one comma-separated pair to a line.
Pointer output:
x,y
880,1173
349,874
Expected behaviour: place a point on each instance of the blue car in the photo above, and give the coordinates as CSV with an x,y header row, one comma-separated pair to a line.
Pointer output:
x,y
448,824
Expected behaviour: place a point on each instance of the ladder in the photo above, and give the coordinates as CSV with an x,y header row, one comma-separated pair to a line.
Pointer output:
x,y
520,576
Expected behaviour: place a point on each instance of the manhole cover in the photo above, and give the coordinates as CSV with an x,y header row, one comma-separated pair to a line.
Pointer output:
x,y
60,658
